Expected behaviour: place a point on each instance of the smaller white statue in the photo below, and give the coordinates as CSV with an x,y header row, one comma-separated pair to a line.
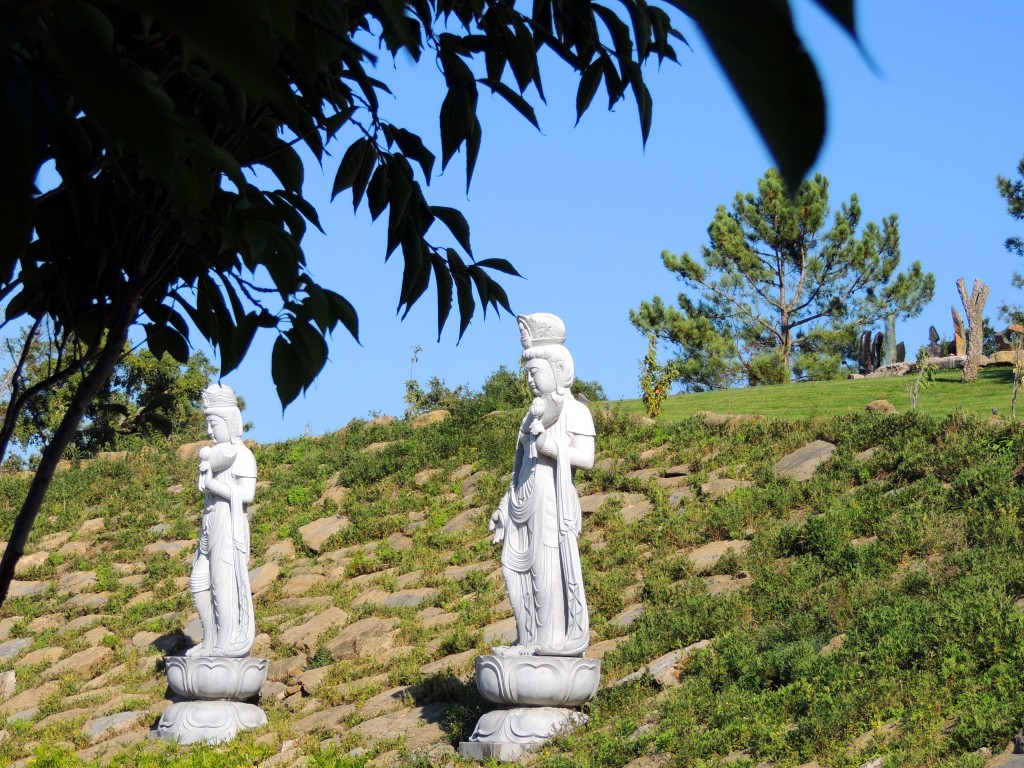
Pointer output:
x,y
539,517
220,572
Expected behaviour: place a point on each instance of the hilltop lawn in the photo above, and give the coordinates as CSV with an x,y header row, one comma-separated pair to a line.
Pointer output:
x,y
820,398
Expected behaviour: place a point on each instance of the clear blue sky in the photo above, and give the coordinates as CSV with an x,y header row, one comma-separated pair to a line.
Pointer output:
x,y
584,212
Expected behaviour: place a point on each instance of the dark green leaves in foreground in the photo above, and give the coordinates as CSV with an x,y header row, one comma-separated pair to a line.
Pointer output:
x,y
173,127
759,49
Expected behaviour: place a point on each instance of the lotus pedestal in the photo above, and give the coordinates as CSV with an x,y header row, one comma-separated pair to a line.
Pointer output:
x,y
537,692
213,698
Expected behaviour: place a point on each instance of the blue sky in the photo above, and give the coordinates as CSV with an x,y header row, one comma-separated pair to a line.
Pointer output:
x,y
584,212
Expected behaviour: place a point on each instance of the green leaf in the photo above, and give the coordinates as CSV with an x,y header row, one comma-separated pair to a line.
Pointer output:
x,y
311,349
362,178
412,145
589,80
235,345
342,309
443,277
377,191
286,369
473,150
521,105
463,289
161,339
351,163
456,223
766,63
499,264
136,114
234,35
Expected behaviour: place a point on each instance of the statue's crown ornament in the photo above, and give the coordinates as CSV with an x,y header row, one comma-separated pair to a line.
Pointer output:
x,y
540,328
219,396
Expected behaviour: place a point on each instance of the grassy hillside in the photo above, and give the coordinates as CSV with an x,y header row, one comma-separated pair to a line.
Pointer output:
x,y
868,611
821,398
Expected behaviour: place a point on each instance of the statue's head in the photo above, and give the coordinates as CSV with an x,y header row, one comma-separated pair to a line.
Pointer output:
x,y
548,363
223,417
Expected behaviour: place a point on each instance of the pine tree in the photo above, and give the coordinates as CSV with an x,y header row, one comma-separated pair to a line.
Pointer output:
x,y
777,291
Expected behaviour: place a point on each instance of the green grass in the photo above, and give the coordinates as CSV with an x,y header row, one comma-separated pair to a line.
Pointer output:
x,y
819,398
912,552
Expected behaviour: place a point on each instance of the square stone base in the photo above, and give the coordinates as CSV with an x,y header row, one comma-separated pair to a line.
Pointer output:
x,y
506,751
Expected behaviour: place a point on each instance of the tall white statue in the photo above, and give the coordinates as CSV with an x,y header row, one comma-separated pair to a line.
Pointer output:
x,y
220,572
543,674
539,517
214,683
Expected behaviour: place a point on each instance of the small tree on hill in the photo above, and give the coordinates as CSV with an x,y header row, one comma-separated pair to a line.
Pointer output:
x,y
771,271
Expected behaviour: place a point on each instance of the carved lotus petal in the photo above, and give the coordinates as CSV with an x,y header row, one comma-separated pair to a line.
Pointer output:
x,y
213,722
216,677
544,681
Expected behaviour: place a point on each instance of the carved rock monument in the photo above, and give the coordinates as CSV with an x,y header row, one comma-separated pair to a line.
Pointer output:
x,y
215,683
540,676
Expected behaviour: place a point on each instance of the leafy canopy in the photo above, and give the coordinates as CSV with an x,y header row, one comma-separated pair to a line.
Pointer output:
x,y
776,280
156,115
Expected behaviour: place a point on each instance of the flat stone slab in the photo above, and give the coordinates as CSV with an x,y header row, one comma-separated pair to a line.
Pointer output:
x,y
705,558
28,562
27,588
635,512
501,632
85,663
421,726
28,699
459,572
104,727
602,649
369,636
724,584
462,520
456,663
12,648
593,502
410,598
263,576
299,585
718,487
171,548
626,617
42,656
802,463
281,550
664,670
314,534
305,636
88,601
76,582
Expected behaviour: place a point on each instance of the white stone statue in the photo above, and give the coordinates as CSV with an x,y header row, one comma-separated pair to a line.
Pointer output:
x,y
220,572
538,521
215,683
539,517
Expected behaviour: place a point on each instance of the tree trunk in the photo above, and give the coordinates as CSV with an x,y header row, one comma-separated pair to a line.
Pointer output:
x,y
91,384
974,305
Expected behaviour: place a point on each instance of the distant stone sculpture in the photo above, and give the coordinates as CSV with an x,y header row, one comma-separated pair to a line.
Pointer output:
x,y
934,348
959,347
538,522
901,352
213,681
865,361
876,350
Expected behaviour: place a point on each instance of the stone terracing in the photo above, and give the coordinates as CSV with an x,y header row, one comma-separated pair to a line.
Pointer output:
x,y
372,619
